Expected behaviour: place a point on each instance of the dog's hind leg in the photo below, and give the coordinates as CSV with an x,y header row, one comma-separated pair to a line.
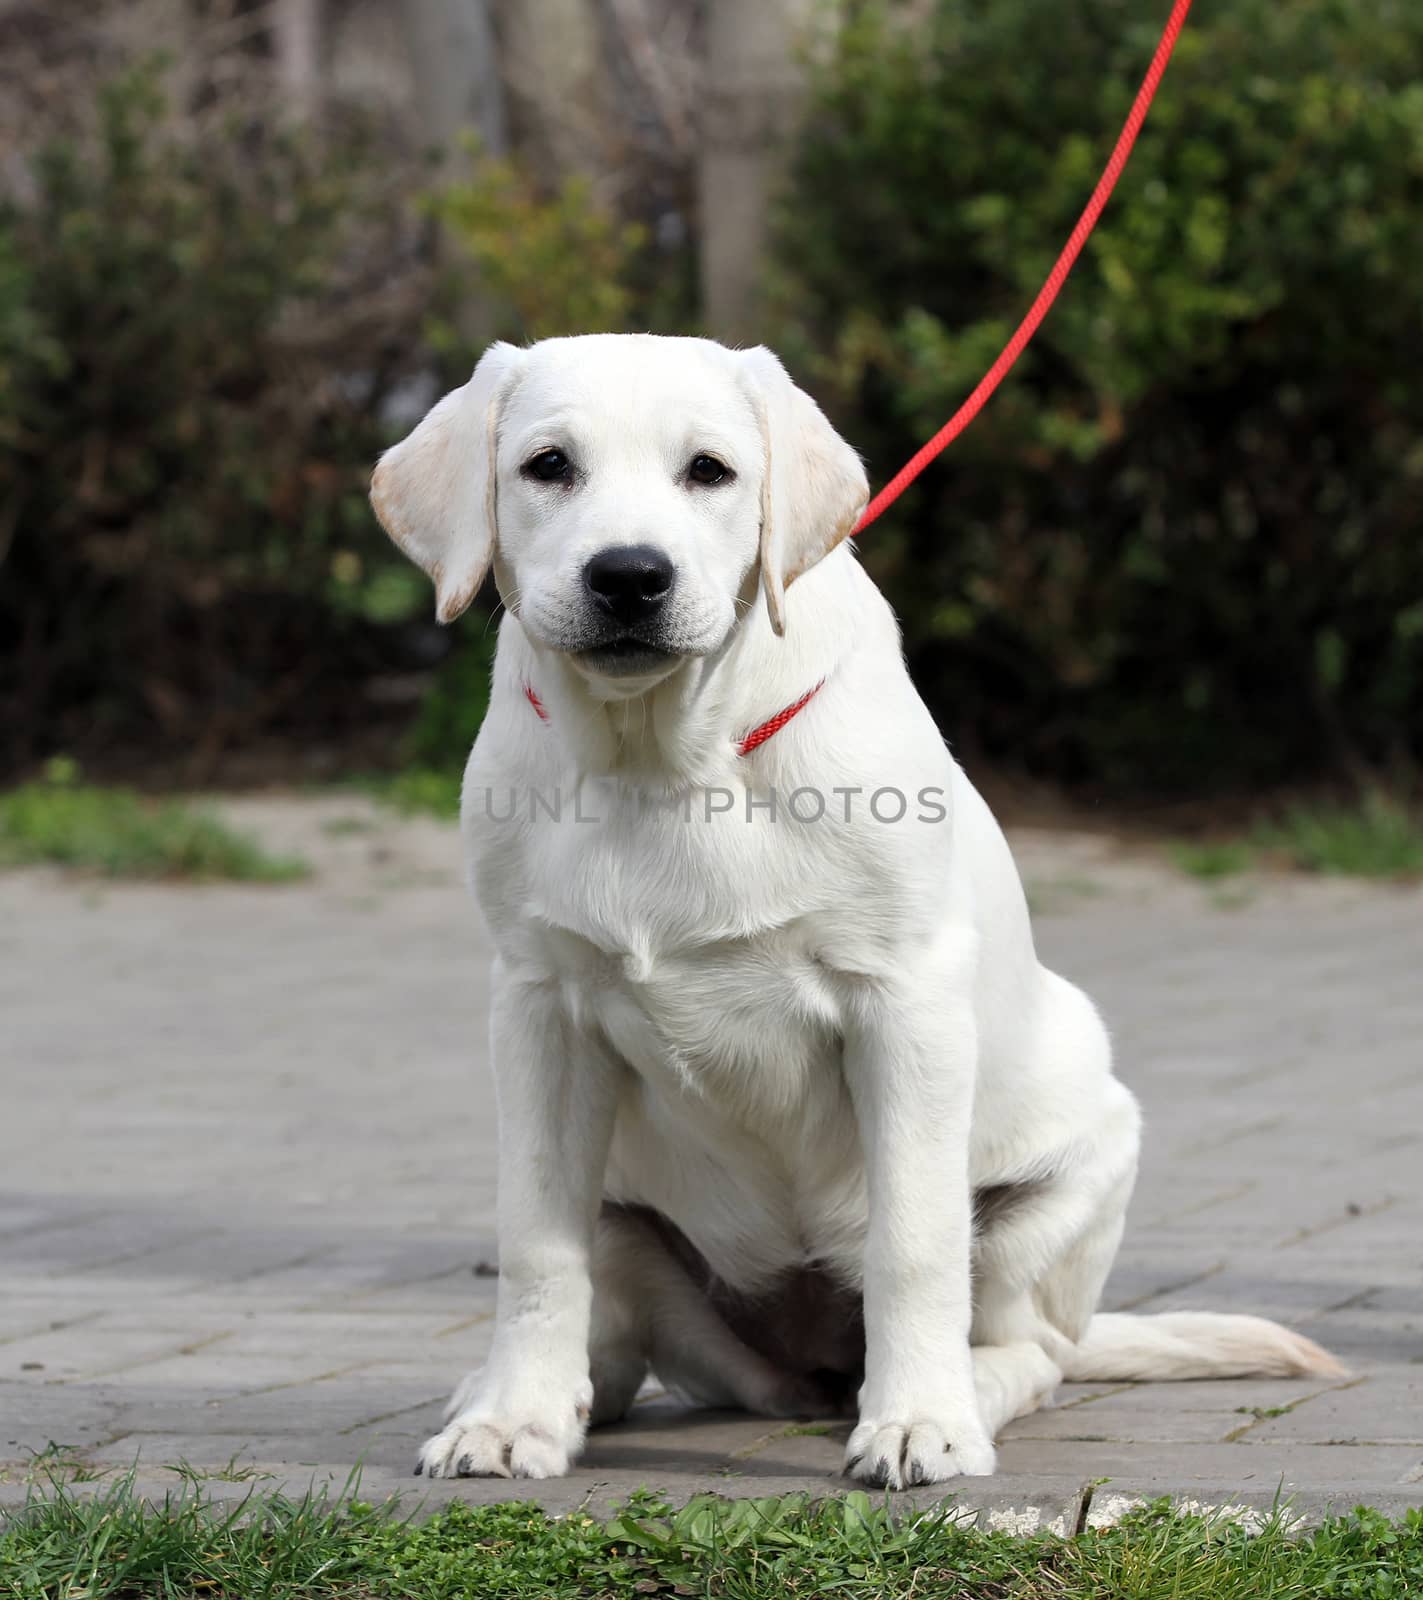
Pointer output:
x,y
1012,1380
1025,1336
649,1313
1041,1259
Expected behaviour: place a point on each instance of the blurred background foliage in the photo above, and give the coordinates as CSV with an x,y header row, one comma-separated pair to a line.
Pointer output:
x,y
1177,556
187,427
1180,550
552,264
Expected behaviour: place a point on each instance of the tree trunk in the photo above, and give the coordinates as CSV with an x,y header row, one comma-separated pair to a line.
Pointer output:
x,y
753,92
456,66
559,87
297,25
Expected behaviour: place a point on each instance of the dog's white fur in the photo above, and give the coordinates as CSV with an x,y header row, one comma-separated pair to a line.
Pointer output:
x,y
799,1043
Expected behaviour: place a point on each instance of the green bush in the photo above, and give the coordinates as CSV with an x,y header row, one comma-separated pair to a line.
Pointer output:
x,y
435,748
199,334
552,264
1181,549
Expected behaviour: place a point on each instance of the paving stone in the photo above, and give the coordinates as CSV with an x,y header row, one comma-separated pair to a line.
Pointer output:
x,y
33,1415
1198,1413
277,1181
1365,1412
87,1350
254,1454
1185,1467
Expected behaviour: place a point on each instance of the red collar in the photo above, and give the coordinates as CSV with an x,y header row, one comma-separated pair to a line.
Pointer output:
x,y
745,745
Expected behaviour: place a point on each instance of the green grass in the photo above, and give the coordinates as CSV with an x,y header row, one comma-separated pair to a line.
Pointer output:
x,y
419,791
55,1464
345,827
1379,837
73,1546
1211,860
118,834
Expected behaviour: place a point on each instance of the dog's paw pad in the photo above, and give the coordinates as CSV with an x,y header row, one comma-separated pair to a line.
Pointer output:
x,y
908,1455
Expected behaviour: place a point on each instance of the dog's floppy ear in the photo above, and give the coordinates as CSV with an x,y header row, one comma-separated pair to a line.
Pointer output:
x,y
814,487
435,491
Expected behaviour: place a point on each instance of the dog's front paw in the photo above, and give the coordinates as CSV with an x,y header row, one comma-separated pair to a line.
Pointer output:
x,y
475,1446
903,1455
483,1438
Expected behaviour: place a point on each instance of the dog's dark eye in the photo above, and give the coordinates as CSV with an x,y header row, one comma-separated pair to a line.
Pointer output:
x,y
549,466
707,469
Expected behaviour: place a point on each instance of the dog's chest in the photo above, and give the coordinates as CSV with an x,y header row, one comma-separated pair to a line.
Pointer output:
x,y
693,950
711,959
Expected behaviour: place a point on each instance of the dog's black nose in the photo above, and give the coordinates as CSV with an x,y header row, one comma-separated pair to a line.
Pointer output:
x,y
629,581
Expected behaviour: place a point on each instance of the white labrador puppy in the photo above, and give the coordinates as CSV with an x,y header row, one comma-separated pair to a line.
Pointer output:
x,y
788,1108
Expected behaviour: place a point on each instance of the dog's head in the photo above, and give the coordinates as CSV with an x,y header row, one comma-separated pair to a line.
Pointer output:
x,y
623,487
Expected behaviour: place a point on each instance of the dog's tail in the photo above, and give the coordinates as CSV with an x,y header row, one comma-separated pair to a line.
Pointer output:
x,y
1194,1344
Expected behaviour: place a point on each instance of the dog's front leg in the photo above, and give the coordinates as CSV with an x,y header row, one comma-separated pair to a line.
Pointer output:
x,y
910,1054
524,1414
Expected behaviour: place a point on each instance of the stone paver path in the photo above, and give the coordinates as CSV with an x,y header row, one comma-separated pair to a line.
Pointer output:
x,y
246,1180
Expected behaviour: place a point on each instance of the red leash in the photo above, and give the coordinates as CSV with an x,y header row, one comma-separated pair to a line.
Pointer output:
x,y
1055,279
